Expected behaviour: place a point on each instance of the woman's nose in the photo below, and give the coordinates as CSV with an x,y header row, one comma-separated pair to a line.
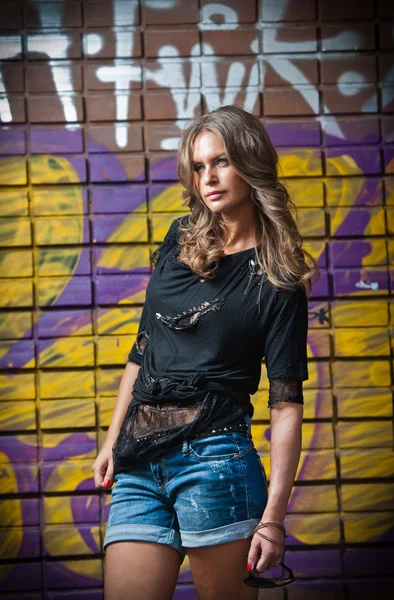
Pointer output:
x,y
210,176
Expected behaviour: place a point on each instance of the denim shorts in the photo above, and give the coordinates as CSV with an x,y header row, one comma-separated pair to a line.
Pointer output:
x,y
206,492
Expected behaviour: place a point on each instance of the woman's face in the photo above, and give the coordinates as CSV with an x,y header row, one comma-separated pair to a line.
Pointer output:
x,y
218,183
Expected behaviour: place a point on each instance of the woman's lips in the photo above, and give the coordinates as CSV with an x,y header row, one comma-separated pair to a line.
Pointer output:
x,y
215,195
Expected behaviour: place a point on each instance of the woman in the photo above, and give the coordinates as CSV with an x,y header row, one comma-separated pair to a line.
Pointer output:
x,y
229,288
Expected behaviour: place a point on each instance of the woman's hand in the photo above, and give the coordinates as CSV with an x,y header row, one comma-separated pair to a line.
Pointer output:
x,y
264,553
103,467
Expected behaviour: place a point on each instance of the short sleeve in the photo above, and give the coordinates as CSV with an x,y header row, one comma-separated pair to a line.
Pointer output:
x,y
142,339
286,345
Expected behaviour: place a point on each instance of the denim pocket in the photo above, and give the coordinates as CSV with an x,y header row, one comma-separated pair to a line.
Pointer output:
x,y
220,447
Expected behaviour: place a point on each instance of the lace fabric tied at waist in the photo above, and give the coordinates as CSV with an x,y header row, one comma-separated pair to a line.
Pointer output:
x,y
164,389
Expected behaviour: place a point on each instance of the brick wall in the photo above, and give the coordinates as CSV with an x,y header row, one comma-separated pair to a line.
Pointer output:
x,y
93,96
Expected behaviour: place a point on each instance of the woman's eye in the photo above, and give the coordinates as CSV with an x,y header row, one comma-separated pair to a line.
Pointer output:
x,y
223,160
198,168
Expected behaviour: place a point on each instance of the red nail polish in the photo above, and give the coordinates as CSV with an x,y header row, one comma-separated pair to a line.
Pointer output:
x,y
107,482
250,566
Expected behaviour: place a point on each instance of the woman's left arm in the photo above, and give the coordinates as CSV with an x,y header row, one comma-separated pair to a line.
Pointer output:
x,y
286,425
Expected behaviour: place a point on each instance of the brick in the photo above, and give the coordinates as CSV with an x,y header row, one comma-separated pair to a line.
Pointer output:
x,y
55,169
119,321
337,9
375,496
275,71
11,15
63,262
106,409
172,74
326,529
294,132
66,384
12,141
131,168
358,253
14,325
354,434
356,192
373,402
385,37
56,139
13,75
167,198
100,13
66,352
158,135
23,576
65,291
316,464
234,11
306,193
58,414
157,42
18,386
388,160
163,167
40,79
49,109
128,289
362,463
289,39
113,107
16,263
67,322
16,293
317,435
357,38
57,509
367,527
104,76
352,160
53,15
162,105
290,101
319,315
229,73
19,355
44,46
13,171
358,221
351,98
15,111
355,130
67,540
15,232
10,47
352,313
300,162
250,101
359,561
155,12
114,350
118,199
363,373
232,42
274,11
62,200
109,44
341,70
372,281
112,138
120,228
15,416
313,498
68,574
121,259
315,563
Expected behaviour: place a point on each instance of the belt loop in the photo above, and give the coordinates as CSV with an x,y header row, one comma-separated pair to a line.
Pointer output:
x,y
185,448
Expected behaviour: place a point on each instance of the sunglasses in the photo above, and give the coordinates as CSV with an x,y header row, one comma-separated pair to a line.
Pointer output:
x,y
263,582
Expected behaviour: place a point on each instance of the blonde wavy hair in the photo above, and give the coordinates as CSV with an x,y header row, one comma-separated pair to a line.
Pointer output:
x,y
249,150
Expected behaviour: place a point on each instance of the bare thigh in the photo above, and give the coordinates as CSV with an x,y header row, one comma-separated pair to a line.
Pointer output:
x,y
219,571
140,571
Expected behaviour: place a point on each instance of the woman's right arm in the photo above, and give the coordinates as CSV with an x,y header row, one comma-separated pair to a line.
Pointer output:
x,y
103,467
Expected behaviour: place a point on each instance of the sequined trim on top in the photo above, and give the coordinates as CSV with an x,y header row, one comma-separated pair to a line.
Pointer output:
x,y
256,275
190,317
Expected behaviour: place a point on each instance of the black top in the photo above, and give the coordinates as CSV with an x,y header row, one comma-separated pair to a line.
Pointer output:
x,y
199,335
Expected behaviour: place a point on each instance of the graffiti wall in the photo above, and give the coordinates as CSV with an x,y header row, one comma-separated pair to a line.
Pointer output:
x,y
93,96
